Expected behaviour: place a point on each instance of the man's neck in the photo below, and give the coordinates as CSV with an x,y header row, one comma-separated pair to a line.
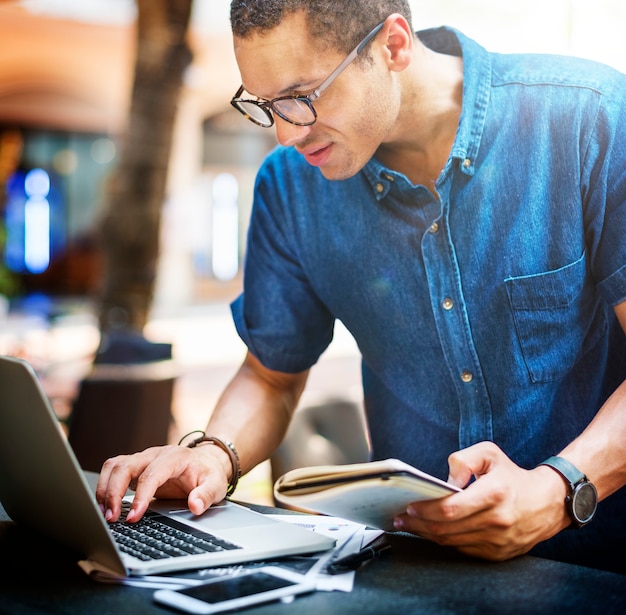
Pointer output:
x,y
421,142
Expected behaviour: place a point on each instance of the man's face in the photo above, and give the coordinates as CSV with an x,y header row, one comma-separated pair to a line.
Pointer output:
x,y
354,115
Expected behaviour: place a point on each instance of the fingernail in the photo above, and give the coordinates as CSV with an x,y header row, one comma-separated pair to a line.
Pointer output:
x,y
108,515
398,524
197,505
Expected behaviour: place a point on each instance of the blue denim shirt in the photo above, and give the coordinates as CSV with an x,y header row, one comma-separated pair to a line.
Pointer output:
x,y
486,313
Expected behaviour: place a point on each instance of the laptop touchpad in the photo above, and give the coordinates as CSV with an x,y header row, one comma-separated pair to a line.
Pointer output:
x,y
220,516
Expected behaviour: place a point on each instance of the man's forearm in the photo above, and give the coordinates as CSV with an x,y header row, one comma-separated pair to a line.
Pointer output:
x,y
600,451
254,410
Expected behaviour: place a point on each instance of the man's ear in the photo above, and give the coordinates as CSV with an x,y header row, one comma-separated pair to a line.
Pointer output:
x,y
398,42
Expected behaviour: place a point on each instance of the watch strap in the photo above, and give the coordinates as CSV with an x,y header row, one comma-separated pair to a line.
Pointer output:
x,y
566,469
582,497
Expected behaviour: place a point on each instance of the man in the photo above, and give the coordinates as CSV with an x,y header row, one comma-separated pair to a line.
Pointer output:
x,y
463,214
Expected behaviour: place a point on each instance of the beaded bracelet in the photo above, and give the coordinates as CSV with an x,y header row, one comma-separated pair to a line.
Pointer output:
x,y
227,447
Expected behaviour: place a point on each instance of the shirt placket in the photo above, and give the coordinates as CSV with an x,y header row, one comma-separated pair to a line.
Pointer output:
x,y
454,331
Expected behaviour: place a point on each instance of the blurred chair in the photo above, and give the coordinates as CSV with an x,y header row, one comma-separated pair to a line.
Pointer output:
x,y
125,404
334,432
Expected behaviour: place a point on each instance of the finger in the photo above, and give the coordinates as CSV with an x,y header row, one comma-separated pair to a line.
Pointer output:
x,y
444,512
164,463
450,509
474,460
472,536
207,493
440,527
460,512
460,474
442,533
117,475
102,485
210,484
111,488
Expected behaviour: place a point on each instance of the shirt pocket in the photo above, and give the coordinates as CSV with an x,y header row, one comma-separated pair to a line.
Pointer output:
x,y
557,317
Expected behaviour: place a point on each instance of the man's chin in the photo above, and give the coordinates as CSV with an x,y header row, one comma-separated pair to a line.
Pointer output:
x,y
332,173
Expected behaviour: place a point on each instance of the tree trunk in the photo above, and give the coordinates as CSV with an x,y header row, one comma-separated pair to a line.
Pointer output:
x,y
130,229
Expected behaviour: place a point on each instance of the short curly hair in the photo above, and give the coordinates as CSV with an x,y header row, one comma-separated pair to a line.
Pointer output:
x,y
339,23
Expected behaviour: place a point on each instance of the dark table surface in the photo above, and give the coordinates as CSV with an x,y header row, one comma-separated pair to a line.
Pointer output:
x,y
414,576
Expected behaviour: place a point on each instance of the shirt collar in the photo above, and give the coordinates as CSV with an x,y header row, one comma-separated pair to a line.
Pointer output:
x,y
476,91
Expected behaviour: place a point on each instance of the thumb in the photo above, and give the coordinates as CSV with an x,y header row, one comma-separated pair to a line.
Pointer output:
x,y
460,475
201,498
472,461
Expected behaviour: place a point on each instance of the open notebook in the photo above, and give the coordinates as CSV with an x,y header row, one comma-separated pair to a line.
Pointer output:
x,y
43,487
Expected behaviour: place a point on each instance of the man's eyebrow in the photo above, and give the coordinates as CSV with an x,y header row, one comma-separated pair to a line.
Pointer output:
x,y
294,89
297,87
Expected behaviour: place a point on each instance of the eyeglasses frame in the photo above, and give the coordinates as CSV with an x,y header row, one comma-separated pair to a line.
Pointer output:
x,y
267,106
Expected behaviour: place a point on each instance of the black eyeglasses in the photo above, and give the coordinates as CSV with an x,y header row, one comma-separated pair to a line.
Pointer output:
x,y
296,110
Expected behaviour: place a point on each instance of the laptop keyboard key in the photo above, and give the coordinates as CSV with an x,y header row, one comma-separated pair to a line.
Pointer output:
x,y
157,537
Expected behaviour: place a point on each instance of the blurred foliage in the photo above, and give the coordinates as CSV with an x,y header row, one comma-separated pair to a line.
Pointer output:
x,y
10,152
9,284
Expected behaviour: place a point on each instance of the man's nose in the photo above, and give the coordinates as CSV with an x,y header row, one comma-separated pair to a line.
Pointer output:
x,y
289,134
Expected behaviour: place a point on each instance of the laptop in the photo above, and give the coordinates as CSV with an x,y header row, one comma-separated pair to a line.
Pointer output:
x,y
43,487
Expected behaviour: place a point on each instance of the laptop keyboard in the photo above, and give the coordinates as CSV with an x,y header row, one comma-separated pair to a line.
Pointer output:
x,y
156,536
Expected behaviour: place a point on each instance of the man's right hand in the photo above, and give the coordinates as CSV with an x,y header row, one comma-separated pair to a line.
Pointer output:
x,y
199,474
253,411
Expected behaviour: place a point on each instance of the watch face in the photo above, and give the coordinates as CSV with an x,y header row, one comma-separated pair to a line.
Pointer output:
x,y
584,502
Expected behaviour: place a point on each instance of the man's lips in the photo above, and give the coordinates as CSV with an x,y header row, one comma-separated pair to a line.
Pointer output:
x,y
316,156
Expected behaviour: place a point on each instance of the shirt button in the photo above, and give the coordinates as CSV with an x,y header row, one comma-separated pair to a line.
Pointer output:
x,y
379,188
448,304
467,163
434,228
466,376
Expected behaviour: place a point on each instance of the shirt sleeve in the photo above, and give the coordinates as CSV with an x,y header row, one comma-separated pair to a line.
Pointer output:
x,y
604,192
279,316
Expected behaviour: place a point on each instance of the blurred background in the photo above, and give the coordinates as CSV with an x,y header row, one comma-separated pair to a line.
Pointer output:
x,y
126,182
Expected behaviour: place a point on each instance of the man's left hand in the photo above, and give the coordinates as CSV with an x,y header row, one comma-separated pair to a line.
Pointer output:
x,y
504,513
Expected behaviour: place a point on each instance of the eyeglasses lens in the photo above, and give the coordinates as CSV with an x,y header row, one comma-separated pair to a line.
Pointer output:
x,y
255,113
294,110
